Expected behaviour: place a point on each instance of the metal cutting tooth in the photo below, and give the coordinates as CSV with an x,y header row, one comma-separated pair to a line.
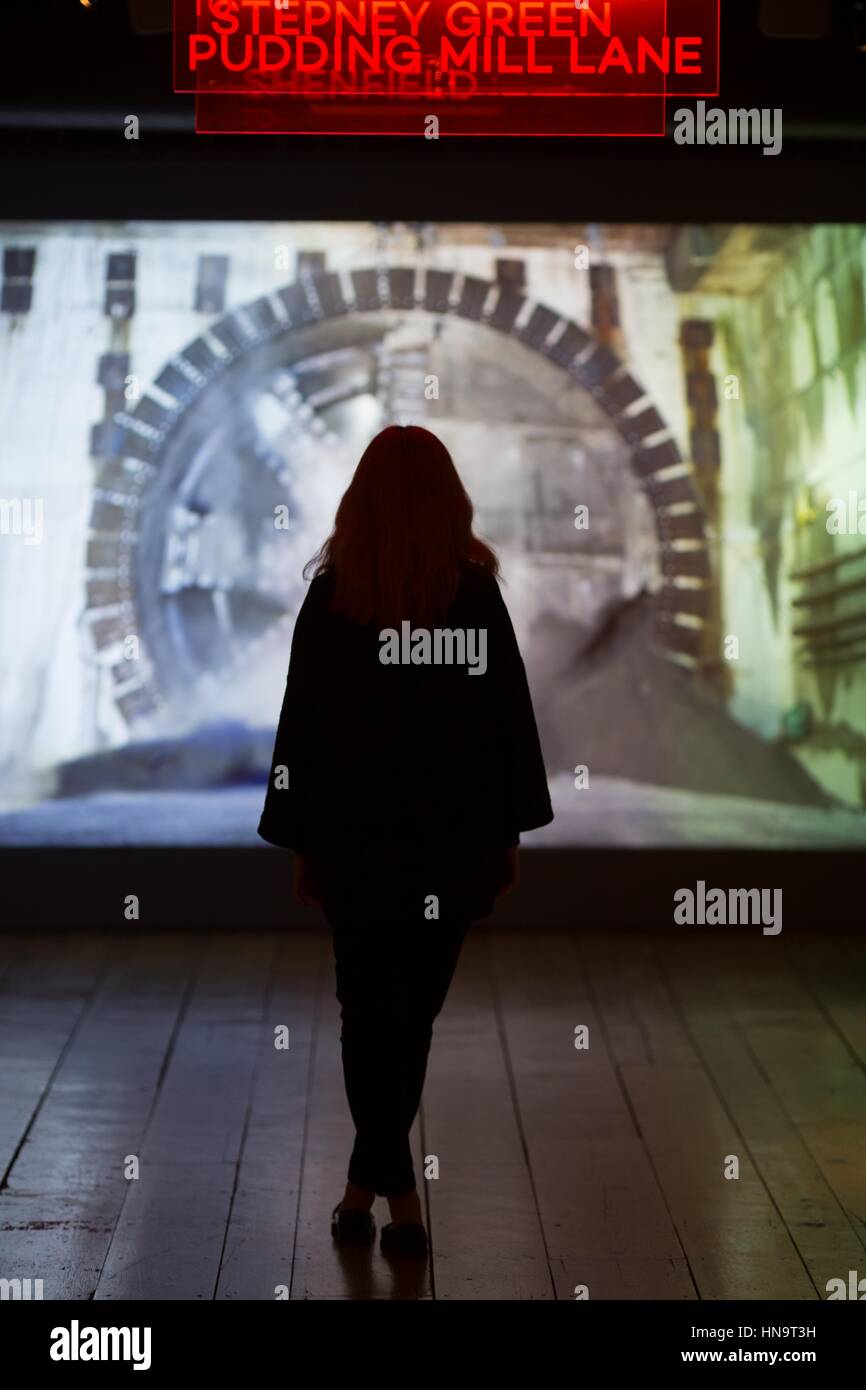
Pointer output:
x,y
506,310
330,295
366,286
594,370
401,287
437,290
473,297
540,326
201,357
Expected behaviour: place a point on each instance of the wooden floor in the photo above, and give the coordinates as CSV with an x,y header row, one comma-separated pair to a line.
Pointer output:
x,y
558,1167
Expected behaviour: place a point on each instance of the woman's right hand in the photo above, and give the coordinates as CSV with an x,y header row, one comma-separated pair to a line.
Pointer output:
x,y
512,872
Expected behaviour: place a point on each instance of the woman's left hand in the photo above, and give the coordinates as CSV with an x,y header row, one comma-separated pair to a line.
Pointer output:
x,y
304,882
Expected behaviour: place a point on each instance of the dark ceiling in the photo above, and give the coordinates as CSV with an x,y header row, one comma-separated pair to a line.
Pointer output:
x,y
89,62
72,72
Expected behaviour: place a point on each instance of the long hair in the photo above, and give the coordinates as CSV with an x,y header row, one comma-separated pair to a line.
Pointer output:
x,y
402,533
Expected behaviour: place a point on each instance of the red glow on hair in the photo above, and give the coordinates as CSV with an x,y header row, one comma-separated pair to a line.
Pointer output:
x,y
402,534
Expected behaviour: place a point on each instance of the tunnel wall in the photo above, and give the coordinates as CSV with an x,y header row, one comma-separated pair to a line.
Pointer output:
x,y
795,440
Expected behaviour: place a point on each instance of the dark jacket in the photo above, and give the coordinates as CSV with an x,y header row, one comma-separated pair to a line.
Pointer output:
x,y
398,759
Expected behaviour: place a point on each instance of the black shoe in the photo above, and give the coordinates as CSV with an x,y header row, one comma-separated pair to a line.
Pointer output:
x,y
404,1238
353,1226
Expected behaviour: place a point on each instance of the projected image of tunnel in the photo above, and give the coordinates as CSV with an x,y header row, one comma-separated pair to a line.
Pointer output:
x,y
649,424
226,476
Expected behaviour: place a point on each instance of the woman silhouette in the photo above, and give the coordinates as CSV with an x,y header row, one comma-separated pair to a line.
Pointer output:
x,y
406,763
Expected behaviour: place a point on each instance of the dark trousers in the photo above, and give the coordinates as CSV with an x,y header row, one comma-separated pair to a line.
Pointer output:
x,y
391,983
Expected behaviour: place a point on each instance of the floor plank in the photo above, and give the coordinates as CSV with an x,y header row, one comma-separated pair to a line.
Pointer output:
x,y
259,1249
486,1234
45,995
812,1213
169,1238
93,1115
735,1240
820,1085
833,970
601,1206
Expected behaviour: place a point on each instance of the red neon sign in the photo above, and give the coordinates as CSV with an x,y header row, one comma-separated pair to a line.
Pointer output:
x,y
491,67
